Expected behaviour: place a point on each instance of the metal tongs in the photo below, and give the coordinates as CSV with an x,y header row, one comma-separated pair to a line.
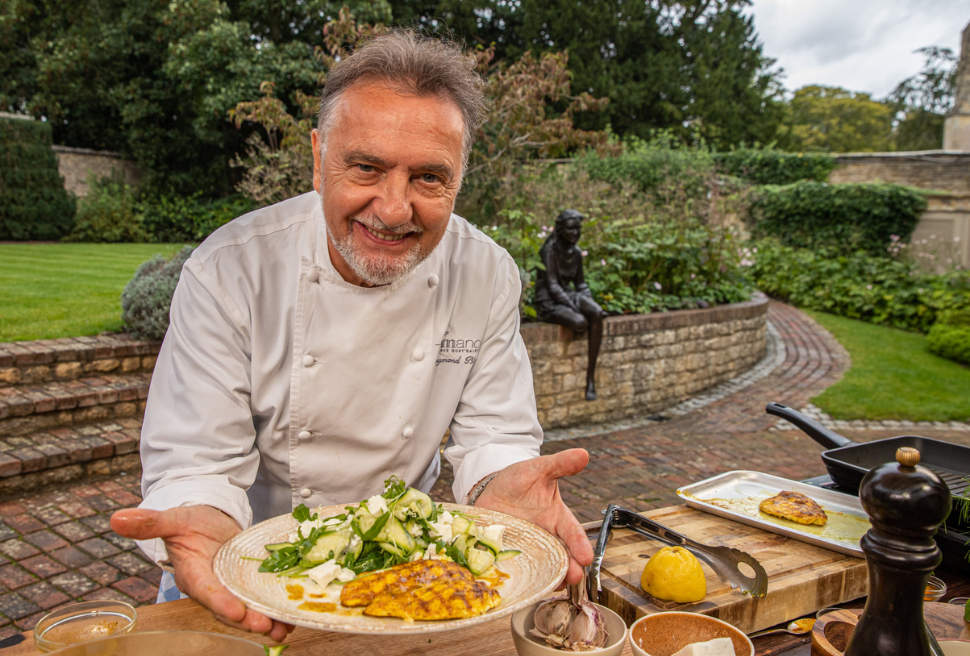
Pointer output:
x,y
723,560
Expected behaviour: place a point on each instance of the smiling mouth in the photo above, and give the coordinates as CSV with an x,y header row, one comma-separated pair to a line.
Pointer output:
x,y
382,236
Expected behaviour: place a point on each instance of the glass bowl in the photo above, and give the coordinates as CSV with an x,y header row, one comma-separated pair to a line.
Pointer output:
x,y
935,589
82,622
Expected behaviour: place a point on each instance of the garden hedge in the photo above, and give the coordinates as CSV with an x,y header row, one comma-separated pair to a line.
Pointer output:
x,y
845,217
950,336
33,202
767,166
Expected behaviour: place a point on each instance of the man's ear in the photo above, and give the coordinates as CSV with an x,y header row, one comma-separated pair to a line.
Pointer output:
x,y
315,141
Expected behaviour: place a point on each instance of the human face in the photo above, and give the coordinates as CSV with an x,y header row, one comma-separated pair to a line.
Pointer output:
x,y
388,180
570,230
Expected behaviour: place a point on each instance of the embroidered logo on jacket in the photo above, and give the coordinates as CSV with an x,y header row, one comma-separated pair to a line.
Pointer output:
x,y
457,351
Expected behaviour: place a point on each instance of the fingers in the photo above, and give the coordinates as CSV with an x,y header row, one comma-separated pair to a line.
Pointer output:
x,y
580,550
565,463
194,577
574,574
141,524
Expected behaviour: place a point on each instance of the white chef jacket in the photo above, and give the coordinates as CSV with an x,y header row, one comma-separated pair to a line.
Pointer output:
x,y
279,383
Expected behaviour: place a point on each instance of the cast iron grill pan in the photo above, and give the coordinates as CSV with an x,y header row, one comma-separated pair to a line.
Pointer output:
x,y
847,461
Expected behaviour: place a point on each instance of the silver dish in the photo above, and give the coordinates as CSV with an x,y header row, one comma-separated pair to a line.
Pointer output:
x,y
735,495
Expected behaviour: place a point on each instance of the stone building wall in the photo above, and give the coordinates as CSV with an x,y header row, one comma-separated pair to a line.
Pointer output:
x,y
76,164
928,169
647,362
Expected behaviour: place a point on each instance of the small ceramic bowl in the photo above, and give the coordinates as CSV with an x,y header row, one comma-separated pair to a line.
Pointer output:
x,y
527,645
83,622
955,647
663,634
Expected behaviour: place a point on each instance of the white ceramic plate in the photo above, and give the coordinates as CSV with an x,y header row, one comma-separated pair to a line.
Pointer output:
x,y
533,574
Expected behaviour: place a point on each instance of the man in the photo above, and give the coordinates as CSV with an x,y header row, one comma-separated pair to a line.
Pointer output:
x,y
322,344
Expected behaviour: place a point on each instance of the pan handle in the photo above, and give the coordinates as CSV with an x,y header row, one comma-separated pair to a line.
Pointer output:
x,y
825,437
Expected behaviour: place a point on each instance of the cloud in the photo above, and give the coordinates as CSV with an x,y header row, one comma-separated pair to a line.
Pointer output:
x,y
862,45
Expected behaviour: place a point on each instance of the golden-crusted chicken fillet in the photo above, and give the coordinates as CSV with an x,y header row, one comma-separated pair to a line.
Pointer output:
x,y
445,599
362,591
796,507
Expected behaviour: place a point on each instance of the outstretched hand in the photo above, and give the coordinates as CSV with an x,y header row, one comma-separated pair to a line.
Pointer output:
x,y
193,535
530,490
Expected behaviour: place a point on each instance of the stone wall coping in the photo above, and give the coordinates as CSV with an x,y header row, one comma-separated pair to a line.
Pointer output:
x,y
21,117
73,349
928,155
120,345
88,151
634,324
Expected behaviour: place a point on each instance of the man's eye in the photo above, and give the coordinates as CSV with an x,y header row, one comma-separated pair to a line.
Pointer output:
x,y
430,178
365,168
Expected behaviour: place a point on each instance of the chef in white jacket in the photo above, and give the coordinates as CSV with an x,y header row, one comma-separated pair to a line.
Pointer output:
x,y
320,345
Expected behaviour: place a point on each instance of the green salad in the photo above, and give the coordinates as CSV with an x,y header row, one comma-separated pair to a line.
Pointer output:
x,y
401,525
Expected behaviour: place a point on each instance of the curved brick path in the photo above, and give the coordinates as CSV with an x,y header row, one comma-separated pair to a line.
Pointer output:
x,y
56,546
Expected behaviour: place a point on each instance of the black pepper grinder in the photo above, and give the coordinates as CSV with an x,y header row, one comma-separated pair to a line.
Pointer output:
x,y
906,504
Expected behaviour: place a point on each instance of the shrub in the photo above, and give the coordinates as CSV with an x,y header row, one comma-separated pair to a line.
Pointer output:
x,y
655,167
859,286
950,336
33,203
147,297
844,218
109,214
768,166
179,218
668,265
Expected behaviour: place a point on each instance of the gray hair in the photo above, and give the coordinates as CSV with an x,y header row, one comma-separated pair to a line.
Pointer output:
x,y
418,65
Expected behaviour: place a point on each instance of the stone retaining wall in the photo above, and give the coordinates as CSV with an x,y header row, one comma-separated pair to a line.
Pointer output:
x,y
70,358
647,362
927,169
76,165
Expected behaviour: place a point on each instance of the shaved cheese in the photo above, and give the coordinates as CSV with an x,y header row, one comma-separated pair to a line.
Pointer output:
x,y
377,505
715,647
323,574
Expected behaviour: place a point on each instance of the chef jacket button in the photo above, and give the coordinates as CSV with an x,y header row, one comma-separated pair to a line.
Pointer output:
x,y
417,354
313,276
306,493
307,360
304,435
433,281
408,432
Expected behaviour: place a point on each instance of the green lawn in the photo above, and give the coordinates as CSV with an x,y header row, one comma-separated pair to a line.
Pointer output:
x,y
893,376
66,290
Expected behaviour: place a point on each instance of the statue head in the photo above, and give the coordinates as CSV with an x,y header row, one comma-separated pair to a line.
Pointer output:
x,y
568,227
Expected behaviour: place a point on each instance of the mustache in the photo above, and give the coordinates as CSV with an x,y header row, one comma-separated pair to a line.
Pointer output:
x,y
374,223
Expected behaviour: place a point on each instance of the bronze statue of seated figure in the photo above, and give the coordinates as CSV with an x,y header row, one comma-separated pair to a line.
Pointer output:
x,y
556,302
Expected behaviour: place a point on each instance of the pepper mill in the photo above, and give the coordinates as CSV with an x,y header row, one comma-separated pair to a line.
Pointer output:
x,y
906,503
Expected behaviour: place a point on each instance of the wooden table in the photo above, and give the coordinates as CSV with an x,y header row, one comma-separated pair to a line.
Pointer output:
x,y
492,638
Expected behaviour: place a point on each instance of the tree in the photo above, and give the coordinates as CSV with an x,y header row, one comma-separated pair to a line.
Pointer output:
x,y
835,120
923,100
695,67
156,80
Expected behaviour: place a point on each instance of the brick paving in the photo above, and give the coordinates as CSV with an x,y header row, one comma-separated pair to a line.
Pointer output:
x,y
57,548
56,545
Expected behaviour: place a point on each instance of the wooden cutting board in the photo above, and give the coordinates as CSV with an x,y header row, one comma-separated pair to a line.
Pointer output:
x,y
801,578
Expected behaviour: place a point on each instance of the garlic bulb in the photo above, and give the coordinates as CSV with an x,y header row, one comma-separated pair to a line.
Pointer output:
x,y
571,622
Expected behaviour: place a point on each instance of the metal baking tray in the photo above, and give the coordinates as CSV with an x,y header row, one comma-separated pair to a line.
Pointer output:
x,y
735,495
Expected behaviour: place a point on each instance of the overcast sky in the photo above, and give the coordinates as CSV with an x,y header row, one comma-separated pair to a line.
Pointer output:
x,y
860,45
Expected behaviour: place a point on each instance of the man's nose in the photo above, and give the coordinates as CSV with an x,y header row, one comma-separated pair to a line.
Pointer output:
x,y
393,203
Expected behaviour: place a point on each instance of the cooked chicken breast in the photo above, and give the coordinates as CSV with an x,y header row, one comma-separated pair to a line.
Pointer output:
x,y
795,507
362,591
445,599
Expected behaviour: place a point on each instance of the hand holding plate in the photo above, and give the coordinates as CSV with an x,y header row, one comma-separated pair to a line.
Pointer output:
x,y
193,535
530,490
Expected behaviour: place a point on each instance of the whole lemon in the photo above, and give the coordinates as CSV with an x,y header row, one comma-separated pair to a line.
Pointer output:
x,y
674,574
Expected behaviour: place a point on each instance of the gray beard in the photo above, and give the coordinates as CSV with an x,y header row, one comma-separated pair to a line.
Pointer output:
x,y
380,270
